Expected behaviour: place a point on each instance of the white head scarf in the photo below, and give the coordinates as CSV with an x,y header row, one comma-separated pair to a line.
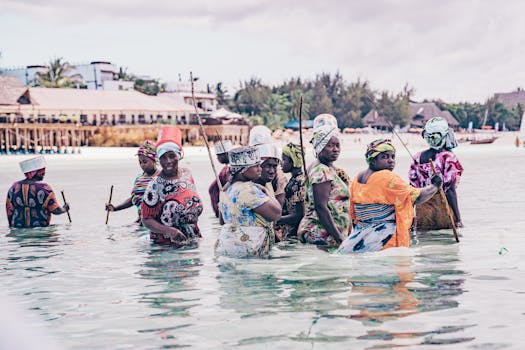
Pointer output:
x,y
322,136
438,135
167,147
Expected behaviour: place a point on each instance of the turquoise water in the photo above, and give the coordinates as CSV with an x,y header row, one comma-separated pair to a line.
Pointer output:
x,y
94,286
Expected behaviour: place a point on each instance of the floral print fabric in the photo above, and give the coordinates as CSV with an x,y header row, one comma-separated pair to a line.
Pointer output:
x,y
446,164
310,229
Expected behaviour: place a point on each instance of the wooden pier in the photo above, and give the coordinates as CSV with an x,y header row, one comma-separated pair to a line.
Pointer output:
x,y
18,138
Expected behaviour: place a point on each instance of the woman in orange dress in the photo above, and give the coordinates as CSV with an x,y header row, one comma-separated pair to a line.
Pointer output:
x,y
382,204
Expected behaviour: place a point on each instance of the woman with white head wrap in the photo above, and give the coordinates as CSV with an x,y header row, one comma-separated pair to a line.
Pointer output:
x,y
171,206
327,218
441,141
272,176
246,209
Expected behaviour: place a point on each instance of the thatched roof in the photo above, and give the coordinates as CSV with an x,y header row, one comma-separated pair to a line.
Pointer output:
x,y
420,113
117,100
511,99
10,90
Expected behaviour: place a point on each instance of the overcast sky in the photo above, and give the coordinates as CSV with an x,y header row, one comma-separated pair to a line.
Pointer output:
x,y
450,49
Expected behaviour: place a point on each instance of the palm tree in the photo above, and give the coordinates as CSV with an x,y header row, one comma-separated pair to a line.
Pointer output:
x,y
58,75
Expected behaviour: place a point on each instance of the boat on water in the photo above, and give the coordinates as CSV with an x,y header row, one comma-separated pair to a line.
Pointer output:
x,y
432,215
484,140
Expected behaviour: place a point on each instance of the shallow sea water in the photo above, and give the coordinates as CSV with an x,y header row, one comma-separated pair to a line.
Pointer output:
x,y
94,286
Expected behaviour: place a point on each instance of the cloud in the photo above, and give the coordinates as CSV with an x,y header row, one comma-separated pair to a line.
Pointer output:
x,y
436,46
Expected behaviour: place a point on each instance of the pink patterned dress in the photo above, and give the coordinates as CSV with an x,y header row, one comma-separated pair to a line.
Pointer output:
x,y
446,164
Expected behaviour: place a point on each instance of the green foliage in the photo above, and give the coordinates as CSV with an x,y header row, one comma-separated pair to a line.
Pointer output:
x,y
148,87
57,75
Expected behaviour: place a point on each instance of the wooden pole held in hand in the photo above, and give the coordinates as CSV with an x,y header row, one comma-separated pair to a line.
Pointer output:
x,y
447,207
110,196
67,210
301,137
203,132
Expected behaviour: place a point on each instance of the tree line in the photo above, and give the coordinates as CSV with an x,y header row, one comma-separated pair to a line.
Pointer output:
x,y
329,93
349,102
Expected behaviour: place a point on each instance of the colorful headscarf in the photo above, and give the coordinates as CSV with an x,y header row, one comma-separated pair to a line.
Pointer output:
x,y
377,147
167,147
31,174
322,136
294,152
148,150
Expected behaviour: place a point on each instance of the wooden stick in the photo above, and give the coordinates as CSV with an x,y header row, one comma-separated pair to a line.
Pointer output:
x,y
447,207
301,137
110,196
204,133
67,210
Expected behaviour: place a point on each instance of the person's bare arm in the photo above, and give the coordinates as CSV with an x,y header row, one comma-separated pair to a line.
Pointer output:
x,y
452,199
270,210
124,205
173,233
321,192
294,217
429,191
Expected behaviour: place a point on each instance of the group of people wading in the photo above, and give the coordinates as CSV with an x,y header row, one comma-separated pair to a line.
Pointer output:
x,y
258,204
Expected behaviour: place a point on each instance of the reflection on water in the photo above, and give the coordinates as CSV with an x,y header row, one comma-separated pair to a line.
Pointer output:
x,y
108,287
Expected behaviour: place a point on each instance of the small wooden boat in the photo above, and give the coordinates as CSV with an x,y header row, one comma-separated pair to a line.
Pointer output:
x,y
483,140
432,215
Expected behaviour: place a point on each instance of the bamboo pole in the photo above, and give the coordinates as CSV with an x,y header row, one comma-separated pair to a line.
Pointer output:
x,y
301,137
447,207
110,196
67,210
204,133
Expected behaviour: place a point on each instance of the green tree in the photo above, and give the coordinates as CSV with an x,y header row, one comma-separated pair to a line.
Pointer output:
x,y
58,75
149,87
276,111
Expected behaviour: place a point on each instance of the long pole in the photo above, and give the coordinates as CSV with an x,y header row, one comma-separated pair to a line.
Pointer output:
x,y
110,196
447,207
301,136
392,126
219,184
67,210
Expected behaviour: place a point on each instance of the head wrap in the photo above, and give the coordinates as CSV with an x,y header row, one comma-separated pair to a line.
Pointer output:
x,y
322,136
438,135
294,152
377,147
260,134
269,151
147,149
325,119
33,166
169,147
242,158
222,147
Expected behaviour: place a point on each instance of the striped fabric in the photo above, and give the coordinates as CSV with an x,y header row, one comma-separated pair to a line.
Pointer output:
x,y
371,213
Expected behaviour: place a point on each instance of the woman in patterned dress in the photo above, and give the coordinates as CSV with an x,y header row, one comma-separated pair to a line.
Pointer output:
x,y
382,204
441,141
326,220
247,209
171,206
293,206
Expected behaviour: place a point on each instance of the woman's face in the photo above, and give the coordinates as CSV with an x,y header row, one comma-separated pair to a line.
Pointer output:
x,y
253,172
169,163
331,151
146,164
287,163
385,160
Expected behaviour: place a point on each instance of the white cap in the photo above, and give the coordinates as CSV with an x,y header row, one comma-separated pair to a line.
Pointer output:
x,y
223,146
269,151
33,164
260,134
